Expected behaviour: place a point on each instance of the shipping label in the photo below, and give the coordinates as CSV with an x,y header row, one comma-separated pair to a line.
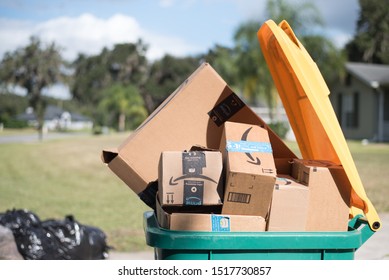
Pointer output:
x,y
220,223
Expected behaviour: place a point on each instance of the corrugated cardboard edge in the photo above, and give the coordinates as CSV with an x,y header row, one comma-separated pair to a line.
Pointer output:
x,y
115,162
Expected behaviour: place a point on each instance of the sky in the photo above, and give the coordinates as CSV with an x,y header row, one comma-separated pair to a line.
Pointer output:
x,y
176,27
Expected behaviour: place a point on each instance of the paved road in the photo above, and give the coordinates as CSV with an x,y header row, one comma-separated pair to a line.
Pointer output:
x,y
376,248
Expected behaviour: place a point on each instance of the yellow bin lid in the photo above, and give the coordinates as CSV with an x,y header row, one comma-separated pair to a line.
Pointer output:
x,y
305,97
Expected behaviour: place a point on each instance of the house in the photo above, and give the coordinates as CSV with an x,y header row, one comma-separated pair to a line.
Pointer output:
x,y
56,118
361,102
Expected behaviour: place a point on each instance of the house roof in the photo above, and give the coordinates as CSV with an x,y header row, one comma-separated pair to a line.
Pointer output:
x,y
375,75
52,112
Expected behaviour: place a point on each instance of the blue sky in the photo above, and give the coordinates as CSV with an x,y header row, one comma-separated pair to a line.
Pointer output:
x,y
168,26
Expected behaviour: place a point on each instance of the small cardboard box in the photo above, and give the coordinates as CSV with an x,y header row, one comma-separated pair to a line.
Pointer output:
x,y
190,178
329,205
289,207
250,170
208,222
192,115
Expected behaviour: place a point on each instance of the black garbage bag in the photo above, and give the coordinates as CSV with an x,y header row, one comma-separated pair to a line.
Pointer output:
x,y
54,240
77,242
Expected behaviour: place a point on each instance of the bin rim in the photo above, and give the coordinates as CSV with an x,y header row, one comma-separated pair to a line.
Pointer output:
x,y
302,89
157,237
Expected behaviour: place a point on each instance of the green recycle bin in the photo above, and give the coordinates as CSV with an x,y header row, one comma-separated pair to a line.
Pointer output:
x,y
196,245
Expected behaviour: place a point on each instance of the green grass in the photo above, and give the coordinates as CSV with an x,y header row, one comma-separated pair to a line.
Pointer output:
x,y
372,162
60,177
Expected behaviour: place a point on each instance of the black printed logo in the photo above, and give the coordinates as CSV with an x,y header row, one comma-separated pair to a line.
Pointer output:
x,y
193,163
228,107
193,192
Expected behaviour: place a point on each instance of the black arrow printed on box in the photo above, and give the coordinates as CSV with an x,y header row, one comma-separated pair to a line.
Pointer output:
x,y
255,161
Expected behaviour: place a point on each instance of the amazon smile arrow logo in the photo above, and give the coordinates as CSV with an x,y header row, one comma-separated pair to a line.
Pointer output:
x,y
174,182
255,161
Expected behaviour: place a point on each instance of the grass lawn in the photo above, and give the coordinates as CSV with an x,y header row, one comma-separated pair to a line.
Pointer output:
x,y
60,177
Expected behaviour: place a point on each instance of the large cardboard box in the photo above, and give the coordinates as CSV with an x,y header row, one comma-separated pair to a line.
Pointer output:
x,y
249,168
192,115
190,178
329,194
208,222
289,207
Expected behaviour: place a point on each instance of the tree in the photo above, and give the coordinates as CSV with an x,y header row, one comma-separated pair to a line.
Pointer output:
x,y
125,64
121,103
224,60
165,75
34,68
371,41
328,57
12,105
255,80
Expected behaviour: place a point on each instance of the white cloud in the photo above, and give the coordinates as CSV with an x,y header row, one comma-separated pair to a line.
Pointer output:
x,y
340,38
88,34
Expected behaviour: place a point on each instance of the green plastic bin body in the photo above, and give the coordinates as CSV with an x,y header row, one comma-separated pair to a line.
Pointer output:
x,y
191,245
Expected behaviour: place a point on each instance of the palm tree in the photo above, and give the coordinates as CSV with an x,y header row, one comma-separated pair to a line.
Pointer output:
x,y
255,80
33,68
124,102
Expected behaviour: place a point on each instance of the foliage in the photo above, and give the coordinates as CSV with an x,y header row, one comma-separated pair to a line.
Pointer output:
x,y
165,76
280,128
302,16
371,41
12,105
95,76
329,59
254,79
121,103
224,60
34,68
125,63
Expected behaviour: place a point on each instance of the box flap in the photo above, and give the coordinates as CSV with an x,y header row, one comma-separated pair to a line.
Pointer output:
x,y
107,155
304,95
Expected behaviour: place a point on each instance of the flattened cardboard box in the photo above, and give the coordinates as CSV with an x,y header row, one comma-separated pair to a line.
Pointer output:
x,y
329,204
190,178
209,222
192,115
289,207
250,170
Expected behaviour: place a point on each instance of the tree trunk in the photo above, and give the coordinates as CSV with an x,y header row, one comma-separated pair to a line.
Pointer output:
x,y
39,106
122,122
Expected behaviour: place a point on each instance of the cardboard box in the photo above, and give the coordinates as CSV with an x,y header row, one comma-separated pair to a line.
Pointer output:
x,y
193,114
190,178
250,170
208,222
289,207
329,204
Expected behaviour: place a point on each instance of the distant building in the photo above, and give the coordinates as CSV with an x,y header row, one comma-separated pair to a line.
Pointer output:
x,y
56,118
361,102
